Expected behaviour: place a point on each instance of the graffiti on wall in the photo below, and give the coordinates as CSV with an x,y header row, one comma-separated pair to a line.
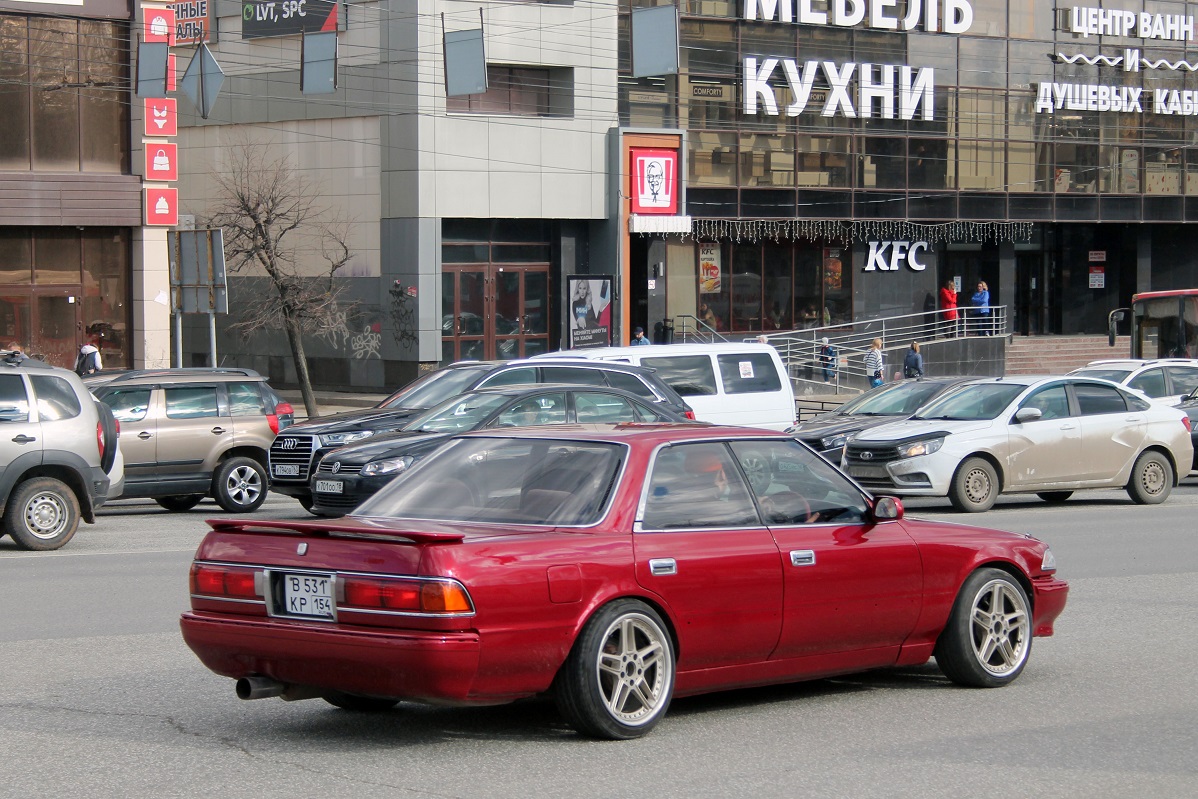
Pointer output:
x,y
403,315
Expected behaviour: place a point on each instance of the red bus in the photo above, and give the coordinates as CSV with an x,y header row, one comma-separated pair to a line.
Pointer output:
x,y
1164,324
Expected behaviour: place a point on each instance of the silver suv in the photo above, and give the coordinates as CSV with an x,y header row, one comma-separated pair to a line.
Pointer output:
x,y
192,433
59,458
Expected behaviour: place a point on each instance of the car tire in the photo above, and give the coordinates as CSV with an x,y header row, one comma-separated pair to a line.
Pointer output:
x,y
974,487
239,485
618,680
1151,479
359,704
1054,497
988,637
307,503
108,425
42,514
180,502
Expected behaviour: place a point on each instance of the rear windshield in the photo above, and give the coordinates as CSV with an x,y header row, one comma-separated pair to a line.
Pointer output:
x,y
689,375
748,373
505,480
897,399
435,388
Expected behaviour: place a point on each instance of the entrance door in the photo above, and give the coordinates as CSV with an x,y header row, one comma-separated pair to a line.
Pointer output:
x,y
1031,291
492,311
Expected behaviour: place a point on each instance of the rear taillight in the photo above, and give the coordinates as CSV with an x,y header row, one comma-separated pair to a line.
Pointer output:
x,y
273,421
690,415
411,596
1186,421
224,581
100,438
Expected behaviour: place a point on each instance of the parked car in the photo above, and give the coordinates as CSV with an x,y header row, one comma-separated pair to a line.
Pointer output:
x,y
1190,405
726,383
283,409
347,476
612,567
60,459
189,434
294,455
888,402
1045,435
1167,380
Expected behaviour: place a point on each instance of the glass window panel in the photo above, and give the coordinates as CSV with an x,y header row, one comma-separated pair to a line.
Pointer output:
x,y
708,103
106,266
56,400
16,256
748,373
1151,382
696,486
572,374
14,93
983,62
710,8
927,166
989,18
883,163
520,253
711,159
104,118
981,165
56,256
646,102
14,402
536,297
465,253
778,286
746,287
767,160
466,230
1095,400
15,322
707,48
191,402
1029,165
688,375
245,399
823,161
603,409
795,486
54,62
1031,19
808,296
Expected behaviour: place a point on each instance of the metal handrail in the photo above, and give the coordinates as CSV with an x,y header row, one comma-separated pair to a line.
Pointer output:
x,y
692,328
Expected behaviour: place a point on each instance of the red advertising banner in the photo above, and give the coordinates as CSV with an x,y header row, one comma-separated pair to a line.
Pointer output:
x,y
159,26
162,206
193,21
171,74
160,160
160,116
654,181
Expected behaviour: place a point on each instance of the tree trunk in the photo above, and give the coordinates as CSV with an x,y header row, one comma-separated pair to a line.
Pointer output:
x,y
296,339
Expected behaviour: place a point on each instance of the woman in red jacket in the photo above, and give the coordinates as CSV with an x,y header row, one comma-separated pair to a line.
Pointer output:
x,y
948,304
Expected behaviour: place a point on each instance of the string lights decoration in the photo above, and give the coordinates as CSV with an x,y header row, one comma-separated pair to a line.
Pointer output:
x,y
841,232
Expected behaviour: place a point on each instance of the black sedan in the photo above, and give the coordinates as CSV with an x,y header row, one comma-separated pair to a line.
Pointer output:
x,y
347,476
890,402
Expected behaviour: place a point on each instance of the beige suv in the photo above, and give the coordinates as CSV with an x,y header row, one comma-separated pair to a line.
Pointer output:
x,y
187,434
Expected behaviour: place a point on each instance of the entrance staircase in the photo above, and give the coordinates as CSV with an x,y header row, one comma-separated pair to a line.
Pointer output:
x,y
1056,355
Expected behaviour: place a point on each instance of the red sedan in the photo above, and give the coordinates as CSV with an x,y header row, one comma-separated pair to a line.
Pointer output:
x,y
614,567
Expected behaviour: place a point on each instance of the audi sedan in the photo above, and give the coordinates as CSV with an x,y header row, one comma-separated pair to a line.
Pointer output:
x,y
347,476
612,567
1049,436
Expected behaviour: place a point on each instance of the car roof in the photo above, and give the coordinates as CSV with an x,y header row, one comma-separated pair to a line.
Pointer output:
x,y
537,388
652,433
1137,363
185,375
611,366
657,349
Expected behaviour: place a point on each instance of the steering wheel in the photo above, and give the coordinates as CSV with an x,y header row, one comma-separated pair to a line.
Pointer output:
x,y
787,507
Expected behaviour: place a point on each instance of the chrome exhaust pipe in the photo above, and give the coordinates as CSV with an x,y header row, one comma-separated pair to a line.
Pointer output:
x,y
259,688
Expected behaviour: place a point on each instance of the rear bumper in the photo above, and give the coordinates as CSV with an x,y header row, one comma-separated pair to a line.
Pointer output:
x,y
428,666
1048,600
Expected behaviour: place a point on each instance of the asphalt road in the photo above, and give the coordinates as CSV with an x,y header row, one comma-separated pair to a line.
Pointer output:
x,y
99,697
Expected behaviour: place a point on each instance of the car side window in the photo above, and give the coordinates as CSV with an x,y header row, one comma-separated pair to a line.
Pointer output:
x,y
511,377
1052,402
191,402
596,408
128,404
572,374
56,399
630,383
1094,400
541,409
748,373
793,485
1151,382
689,375
14,402
245,399
697,485
1185,379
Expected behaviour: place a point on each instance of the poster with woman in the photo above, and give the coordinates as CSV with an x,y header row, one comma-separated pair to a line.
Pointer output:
x,y
590,310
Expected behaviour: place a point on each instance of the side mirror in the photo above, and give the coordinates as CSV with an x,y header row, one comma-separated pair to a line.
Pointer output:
x,y
1112,319
1028,415
888,509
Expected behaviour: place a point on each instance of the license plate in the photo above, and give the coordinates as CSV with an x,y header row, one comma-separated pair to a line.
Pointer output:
x,y
307,595
330,486
286,469
867,471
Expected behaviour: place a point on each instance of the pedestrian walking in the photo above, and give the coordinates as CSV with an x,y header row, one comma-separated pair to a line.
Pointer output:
x,y
88,362
981,309
948,305
827,359
638,337
873,363
913,362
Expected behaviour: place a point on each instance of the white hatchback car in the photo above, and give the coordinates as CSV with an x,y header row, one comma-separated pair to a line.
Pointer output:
x,y
1166,380
1044,435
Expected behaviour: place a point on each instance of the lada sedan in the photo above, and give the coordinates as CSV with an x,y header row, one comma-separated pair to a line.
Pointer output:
x,y
612,567
1045,435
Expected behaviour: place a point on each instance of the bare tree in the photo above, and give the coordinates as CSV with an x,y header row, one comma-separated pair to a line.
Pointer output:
x,y
272,216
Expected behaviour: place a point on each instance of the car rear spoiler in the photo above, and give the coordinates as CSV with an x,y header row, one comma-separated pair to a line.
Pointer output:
x,y
358,528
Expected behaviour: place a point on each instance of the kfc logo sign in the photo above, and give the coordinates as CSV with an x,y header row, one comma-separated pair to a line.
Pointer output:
x,y
654,181
889,256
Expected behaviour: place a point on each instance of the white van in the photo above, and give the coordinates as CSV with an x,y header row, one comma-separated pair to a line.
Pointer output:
x,y
735,384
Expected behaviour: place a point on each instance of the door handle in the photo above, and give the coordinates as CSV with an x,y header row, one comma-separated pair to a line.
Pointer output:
x,y
24,439
218,430
1134,419
802,557
662,566
1069,426
143,435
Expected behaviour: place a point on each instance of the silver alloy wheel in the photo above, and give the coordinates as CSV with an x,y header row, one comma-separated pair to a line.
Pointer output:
x,y
635,669
244,485
977,484
1001,628
1153,478
46,515
757,469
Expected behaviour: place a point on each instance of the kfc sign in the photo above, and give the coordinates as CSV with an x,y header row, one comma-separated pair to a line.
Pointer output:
x,y
654,181
889,256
